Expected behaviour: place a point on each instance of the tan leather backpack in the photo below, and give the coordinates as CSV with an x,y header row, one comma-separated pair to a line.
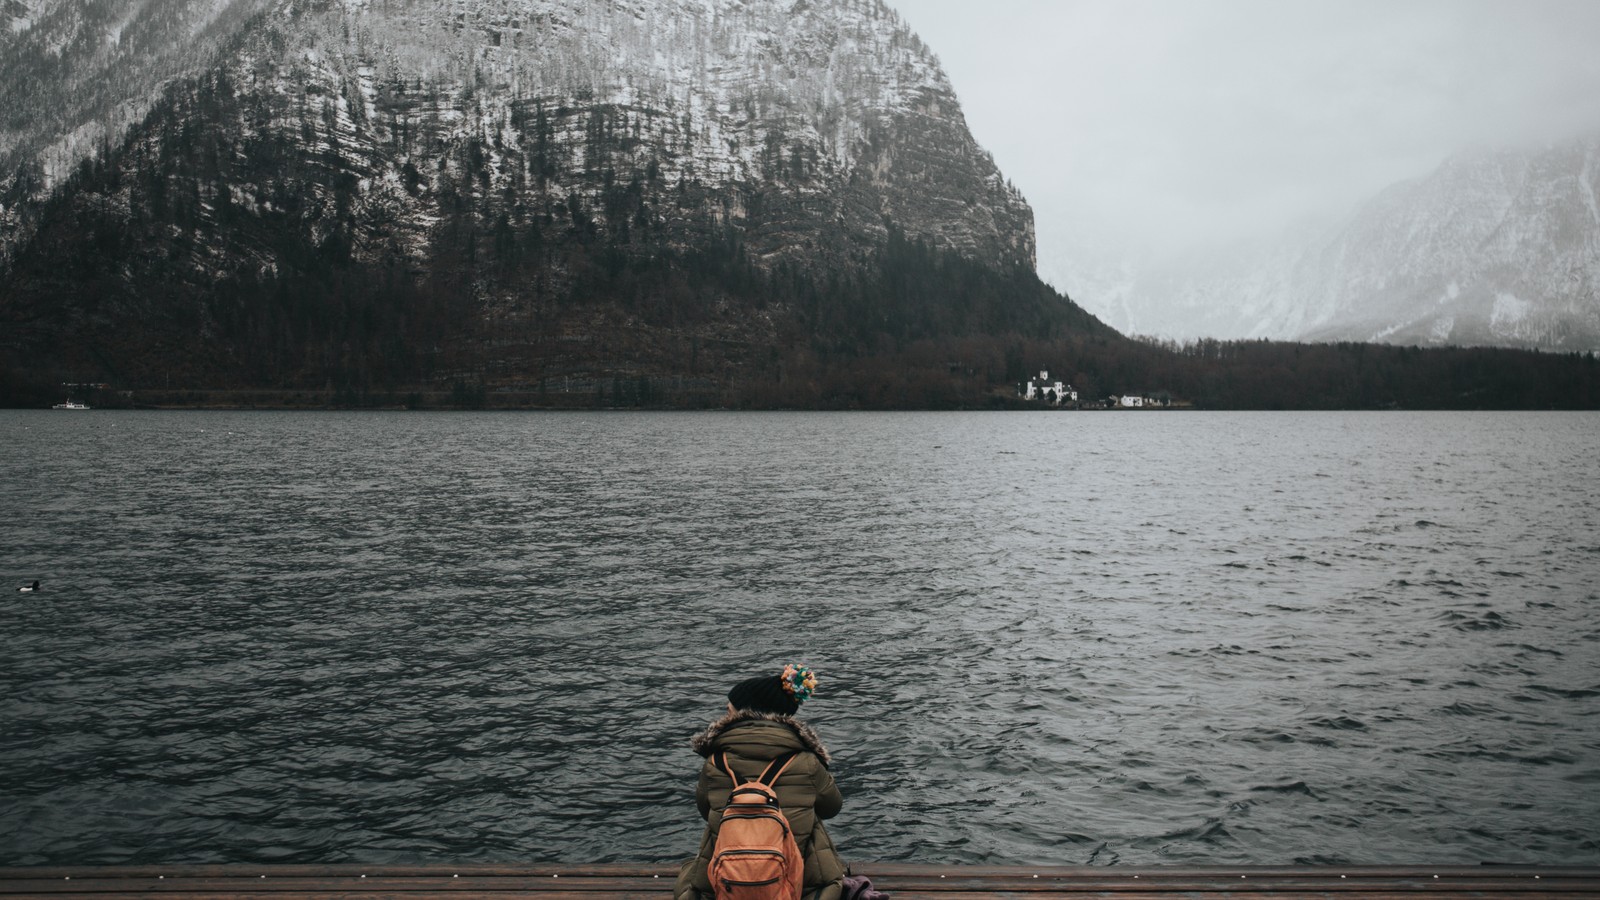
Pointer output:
x,y
755,856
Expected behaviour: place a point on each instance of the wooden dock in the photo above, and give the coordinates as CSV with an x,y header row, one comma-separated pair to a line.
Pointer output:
x,y
904,882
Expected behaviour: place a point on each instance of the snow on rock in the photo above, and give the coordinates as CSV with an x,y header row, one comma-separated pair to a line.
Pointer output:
x,y
1508,311
769,113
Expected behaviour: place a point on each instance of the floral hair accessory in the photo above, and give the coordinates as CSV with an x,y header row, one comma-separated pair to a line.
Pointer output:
x,y
799,682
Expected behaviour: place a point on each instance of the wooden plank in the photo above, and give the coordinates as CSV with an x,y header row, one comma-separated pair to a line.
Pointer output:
x,y
240,870
1090,894
277,881
1335,885
1343,888
903,881
1252,880
300,884
1085,891
875,870
1233,882
364,895
1208,895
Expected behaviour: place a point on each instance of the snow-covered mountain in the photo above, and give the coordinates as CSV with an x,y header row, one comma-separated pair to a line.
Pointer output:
x,y
1493,248
834,99
79,73
542,171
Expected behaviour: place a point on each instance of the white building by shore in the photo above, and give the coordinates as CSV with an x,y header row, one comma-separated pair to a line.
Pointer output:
x,y
1055,392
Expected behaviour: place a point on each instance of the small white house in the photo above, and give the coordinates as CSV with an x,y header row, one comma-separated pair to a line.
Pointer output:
x,y
1129,401
1042,388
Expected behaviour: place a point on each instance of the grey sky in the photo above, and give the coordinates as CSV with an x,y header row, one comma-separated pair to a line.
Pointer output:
x,y
1173,120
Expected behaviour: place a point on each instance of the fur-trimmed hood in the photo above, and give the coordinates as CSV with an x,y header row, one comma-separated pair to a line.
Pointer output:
x,y
703,743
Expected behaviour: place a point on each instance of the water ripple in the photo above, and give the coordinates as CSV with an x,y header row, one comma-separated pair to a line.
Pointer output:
x,y
1098,639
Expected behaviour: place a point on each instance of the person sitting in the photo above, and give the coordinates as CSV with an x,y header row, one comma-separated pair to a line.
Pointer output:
x,y
759,728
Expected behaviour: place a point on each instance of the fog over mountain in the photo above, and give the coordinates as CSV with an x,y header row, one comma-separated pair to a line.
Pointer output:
x,y
1174,143
1494,248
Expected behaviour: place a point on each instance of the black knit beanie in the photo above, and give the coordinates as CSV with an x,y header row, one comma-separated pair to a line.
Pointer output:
x,y
763,695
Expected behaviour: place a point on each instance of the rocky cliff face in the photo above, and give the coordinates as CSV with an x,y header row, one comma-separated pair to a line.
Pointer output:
x,y
1493,248
79,73
832,101
531,155
827,116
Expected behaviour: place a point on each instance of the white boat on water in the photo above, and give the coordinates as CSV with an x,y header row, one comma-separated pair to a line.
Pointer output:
x,y
69,405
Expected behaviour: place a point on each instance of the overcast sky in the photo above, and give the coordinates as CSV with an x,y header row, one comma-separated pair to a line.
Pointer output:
x,y
1173,119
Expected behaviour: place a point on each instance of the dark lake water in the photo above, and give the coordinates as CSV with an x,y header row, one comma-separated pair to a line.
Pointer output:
x,y
1061,638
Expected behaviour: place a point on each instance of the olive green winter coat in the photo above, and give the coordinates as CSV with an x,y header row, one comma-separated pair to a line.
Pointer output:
x,y
806,792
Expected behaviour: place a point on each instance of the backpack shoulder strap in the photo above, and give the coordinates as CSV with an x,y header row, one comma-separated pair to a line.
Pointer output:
x,y
769,775
720,760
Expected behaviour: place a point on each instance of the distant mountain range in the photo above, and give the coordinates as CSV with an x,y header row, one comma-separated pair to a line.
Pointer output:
x,y
1492,249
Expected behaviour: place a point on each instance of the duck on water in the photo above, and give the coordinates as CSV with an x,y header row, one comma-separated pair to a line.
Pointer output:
x,y
29,588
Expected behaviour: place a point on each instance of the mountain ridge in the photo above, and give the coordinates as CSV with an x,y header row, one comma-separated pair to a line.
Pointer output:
x,y
374,191
1491,248
756,85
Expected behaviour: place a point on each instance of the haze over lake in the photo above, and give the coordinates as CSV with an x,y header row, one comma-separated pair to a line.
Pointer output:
x,y
1058,638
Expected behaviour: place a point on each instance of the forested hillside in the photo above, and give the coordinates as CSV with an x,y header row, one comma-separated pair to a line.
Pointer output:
x,y
360,196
